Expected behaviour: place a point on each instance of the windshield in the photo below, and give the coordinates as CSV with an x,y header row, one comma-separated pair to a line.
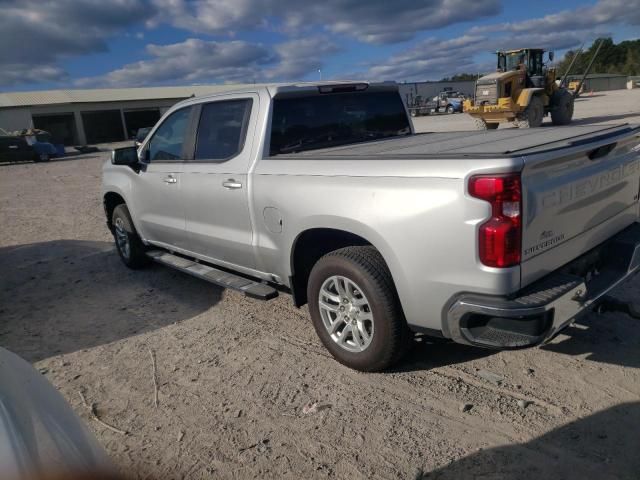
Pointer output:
x,y
328,120
510,61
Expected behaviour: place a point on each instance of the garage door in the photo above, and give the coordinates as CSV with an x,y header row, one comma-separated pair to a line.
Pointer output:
x,y
61,126
135,119
103,126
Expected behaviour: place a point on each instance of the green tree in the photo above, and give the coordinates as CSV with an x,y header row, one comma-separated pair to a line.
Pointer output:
x,y
632,62
621,58
461,77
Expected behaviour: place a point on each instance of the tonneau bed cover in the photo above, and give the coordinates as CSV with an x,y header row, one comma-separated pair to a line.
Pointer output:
x,y
508,142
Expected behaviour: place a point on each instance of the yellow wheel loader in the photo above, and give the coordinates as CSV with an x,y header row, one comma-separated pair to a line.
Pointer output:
x,y
523,90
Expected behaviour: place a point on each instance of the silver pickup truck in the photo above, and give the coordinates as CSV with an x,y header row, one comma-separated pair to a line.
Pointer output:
x,y
495,239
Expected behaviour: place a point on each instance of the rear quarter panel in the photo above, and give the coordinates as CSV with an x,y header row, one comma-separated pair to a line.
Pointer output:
x,y
415,212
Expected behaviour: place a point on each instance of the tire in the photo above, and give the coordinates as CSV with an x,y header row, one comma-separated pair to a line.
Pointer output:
x,y
355,283
562,110
483,125
450,109
129,245
533,115
41,157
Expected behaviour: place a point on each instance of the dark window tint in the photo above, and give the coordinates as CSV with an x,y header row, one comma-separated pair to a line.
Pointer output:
x,y
327,120
222,129
168,139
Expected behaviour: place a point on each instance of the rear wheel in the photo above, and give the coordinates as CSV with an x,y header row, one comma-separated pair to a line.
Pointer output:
x,y
562,111
532,116
481,124
355,309
129,245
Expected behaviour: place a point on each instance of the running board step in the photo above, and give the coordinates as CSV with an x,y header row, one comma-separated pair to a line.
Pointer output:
x,y
250,288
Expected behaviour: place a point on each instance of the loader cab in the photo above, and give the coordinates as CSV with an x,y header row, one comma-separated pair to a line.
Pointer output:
x,y
529,59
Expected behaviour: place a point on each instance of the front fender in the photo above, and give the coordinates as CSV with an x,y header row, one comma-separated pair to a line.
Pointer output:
x,y
526,95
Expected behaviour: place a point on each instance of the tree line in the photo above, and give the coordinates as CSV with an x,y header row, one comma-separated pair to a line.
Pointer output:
x,y
622,59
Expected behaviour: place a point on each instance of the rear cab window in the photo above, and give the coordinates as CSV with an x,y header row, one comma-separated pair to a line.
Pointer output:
x,y
317,121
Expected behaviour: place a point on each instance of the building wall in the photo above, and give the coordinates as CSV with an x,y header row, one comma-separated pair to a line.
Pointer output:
x,y
409,91
602,84
20,118
15,118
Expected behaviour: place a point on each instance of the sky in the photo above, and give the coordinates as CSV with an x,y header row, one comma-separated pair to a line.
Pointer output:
x,y
134,43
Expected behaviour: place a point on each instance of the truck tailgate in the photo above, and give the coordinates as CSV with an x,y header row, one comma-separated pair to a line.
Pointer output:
x,y
576,197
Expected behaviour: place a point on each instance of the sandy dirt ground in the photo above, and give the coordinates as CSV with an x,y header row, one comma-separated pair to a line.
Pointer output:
x,y
235,374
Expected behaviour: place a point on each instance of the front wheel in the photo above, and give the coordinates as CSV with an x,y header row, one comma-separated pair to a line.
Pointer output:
x,y
450,109
533,115
129,245
355,309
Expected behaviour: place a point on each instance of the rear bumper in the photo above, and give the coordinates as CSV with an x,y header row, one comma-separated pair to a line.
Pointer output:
x,y
504,109
541,310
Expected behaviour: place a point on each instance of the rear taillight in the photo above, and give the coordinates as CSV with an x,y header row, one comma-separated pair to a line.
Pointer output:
x,y
500,237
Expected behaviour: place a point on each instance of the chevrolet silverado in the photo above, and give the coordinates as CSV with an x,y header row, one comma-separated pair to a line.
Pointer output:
x,y
324,191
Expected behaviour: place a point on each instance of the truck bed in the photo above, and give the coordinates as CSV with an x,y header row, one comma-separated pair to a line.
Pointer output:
x,y
497,143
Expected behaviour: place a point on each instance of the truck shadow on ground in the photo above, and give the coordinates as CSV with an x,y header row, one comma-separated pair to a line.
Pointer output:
x,y
67,295
612,338
427,353
602,446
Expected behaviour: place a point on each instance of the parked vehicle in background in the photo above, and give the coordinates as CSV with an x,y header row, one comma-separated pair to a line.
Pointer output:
x,y
15,149
38,141
444,102
495,239
419,106
141,134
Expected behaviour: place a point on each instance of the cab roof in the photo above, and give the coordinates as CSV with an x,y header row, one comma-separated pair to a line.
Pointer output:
x,y
518,50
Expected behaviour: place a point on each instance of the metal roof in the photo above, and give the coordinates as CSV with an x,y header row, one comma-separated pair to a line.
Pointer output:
x,y
53,97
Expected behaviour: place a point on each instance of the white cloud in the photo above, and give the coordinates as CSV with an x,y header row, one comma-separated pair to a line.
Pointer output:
x,y
199,61
21,73
191,61
433,59
297,58
605,12
36,36
373,21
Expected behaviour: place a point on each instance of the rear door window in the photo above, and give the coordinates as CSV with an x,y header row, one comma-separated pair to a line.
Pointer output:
x,y
222,130
168,140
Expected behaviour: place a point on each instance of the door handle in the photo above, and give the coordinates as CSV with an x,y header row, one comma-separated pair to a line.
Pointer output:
x,y
231,184
170,179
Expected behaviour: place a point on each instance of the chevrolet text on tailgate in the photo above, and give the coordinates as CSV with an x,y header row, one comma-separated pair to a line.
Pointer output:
x,y
496,239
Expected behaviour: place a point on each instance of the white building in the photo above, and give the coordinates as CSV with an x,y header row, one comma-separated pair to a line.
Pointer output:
x,y
79,117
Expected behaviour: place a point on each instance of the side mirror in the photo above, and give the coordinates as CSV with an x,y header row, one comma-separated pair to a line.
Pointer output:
x,y
124,156
551,55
